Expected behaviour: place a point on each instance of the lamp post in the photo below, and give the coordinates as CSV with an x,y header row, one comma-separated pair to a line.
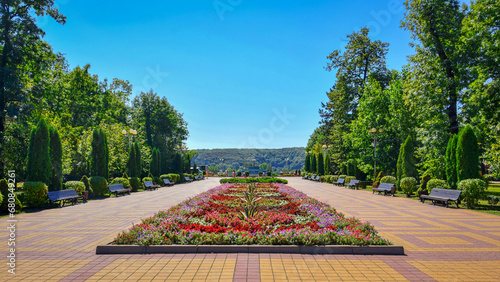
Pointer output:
x,y
374,132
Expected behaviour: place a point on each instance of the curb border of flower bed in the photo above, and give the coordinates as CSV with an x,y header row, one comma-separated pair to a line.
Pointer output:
x,y
284,249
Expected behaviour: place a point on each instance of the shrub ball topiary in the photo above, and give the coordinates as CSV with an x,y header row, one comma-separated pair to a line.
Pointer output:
x,y
424,180
77,185
388,179
35,194
135,183
99,185
120,180
378,179
4,189
472,191
147,179
436,183
408,185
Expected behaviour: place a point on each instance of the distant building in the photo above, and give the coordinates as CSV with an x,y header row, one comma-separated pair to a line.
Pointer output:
x,y
254,170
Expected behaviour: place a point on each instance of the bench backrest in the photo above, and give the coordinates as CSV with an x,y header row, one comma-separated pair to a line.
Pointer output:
x,y
187,178
115,187
446,193
386,186
353,182
148,183
55,195
341,180
167,181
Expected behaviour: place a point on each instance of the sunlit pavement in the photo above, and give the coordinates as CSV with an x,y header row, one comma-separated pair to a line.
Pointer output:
x,y
440,243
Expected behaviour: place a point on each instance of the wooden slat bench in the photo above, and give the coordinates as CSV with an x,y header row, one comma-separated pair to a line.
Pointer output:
x,y
442,195
168,182
313,177
318,178
118,189
188,179
386,188
339,182
148,185
63,196
353,184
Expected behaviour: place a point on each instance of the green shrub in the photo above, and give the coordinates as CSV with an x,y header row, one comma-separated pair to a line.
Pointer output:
x,y
99,185
423,181
436,183
173,177
342,176
39,167
472,191
55,159
254,179
378,179
135,183
408,185
77,185
35,194
321,165
99,156
492,200
349,178
388,179
488,177
451,162
147,179
335,178
467,155
4,190
120,180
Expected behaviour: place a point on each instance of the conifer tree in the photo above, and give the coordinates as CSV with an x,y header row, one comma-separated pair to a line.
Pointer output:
x,y
39,167
451,162
55,159
467,155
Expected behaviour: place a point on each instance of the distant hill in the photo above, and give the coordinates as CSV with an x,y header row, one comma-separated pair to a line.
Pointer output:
x,y
236,158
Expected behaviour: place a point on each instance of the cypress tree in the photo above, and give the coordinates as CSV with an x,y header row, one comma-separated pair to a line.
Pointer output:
x,y
99,157
467,155
409,169
39,167
154,164
307,165
451,162
131,163
327,164
321,164
314,166
138,165
399,165
55,159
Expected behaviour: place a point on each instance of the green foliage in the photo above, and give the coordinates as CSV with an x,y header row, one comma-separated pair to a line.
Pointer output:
x,y
132,170
399,166
86,182
328,166
77,185
56,160
408,185
35,194
99,161
388,179
39,165
321,165
307,164
408,165
4,190
254,180
349,178
135,183
451,162
467,155
99,186
173,177
314,163
436,183
378,179
147,179
120,180
423,181
472,191
138,165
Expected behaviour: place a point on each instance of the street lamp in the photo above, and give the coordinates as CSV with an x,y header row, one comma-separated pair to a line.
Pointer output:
x,y
374,132
132,133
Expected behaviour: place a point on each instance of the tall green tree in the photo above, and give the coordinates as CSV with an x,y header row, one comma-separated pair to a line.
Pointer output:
x,y
99,156
138,165
399,165
314,163
19,38
132,163
55,159
451,162
39,165
467,155
321,165
327,164
409,169
307,164
154,165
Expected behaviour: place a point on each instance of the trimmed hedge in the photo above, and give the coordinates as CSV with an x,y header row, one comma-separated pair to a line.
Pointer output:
x,y
388,179
147,179
99,185
35,194
254,179
472,191
436,183
77,185
408,185
135,183
173,177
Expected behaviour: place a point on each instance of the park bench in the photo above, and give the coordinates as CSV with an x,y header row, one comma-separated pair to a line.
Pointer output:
x,y
118,189
63,196
148,185
196,177
353,184
168,182
386,188
317,178
305,176
313,178
188,179
339,182
442,195
202,177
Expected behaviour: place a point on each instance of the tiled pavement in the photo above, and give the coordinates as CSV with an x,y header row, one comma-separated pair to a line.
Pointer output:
x,y
440,244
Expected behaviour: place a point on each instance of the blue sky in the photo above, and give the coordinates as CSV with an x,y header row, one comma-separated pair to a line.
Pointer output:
x,y
245,74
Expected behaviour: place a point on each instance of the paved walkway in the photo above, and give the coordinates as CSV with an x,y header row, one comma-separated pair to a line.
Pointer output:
x,y
441,244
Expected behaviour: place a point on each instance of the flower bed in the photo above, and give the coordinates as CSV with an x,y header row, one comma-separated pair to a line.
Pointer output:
x,y
243,214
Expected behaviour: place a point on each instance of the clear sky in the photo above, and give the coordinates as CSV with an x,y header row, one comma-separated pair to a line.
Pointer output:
x,y
245,74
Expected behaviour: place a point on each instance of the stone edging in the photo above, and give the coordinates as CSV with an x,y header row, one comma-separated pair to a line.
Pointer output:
x,y
284,249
